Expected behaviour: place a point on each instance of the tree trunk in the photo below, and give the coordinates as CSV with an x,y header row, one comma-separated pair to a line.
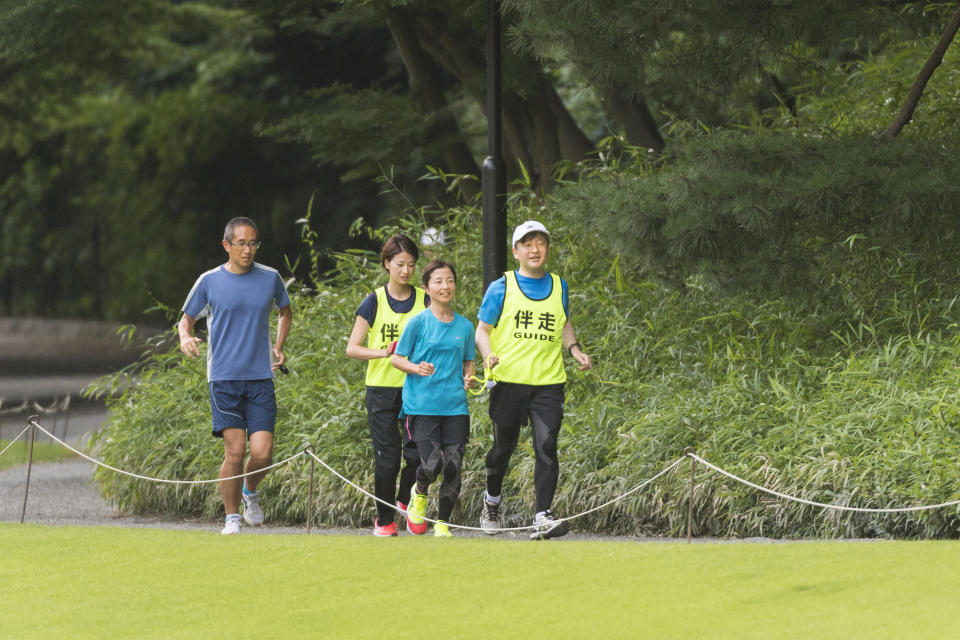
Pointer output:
x,y
538,129
427,88
634,114
913,98
574,144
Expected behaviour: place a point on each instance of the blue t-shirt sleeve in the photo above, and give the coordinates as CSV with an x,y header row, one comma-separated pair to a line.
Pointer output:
x,y
368,308
197,299
492,304
408,339
565,295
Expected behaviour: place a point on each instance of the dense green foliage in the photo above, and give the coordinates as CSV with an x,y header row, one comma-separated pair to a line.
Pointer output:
x,y
779,295
129,136
130,132
766,211
706,60
852,401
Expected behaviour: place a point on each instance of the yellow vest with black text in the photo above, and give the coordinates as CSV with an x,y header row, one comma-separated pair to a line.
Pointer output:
x,y
387,327
527,338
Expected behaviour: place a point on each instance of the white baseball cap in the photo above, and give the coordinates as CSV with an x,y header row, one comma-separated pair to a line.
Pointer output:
x,y
528,227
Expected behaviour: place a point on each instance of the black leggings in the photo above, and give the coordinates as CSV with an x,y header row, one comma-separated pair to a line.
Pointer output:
x,y
441,441
389,445
511,405
437,459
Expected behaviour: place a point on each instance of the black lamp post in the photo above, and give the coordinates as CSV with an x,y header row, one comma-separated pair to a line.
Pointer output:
x,y
494,174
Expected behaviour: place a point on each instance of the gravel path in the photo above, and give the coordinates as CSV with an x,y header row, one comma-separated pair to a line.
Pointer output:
x,y
63,494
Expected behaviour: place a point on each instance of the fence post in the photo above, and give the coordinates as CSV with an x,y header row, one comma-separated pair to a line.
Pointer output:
x,y
31,421
689,452
313,464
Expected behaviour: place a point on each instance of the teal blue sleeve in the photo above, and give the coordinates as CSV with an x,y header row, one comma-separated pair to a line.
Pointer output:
x,y
408,340
469,346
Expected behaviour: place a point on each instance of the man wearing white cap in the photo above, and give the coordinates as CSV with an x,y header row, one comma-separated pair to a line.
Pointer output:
x,y
523,330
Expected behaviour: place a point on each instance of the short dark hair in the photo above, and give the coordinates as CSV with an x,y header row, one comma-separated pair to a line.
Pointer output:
x,y
534,234
239,221
395,245
433,266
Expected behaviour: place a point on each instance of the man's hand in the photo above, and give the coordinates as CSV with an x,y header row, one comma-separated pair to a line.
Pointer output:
x,y
278,359
190,347
581,357
491,360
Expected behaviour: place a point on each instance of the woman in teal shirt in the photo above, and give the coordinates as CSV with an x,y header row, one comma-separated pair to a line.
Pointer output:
x,y
436,352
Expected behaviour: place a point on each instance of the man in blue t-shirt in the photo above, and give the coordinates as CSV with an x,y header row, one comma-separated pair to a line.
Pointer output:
x,y
237,298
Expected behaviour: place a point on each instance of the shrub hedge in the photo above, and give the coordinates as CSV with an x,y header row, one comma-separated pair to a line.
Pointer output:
x,y
841,390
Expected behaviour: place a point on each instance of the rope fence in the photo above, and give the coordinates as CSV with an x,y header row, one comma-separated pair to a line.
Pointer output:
x,y
36,425
12,442
33,426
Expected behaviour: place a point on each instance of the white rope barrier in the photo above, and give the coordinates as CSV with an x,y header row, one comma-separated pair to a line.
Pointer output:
x,y
34,423
635,489
823,505
19,435
501,529
397,509
309,452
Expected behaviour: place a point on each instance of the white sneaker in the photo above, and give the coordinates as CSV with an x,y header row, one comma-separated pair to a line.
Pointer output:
x,y
232,527
490,518
547,526
252,512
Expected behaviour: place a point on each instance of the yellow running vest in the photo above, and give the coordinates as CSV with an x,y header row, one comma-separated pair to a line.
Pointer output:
x,y
387,327
528,337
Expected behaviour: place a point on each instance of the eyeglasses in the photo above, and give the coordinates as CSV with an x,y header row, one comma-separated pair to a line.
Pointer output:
x,y
253,244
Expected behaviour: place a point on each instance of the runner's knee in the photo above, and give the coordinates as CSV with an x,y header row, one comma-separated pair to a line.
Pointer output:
x,y
452,461
384,466
234,450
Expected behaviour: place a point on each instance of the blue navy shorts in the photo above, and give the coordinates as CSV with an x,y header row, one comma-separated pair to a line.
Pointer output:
x,y
243,404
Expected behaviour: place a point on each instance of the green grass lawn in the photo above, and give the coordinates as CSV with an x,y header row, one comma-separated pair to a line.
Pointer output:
x,y
119,583
42,452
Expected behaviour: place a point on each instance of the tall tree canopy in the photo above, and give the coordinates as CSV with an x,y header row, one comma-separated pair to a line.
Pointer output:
x,y
129,132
